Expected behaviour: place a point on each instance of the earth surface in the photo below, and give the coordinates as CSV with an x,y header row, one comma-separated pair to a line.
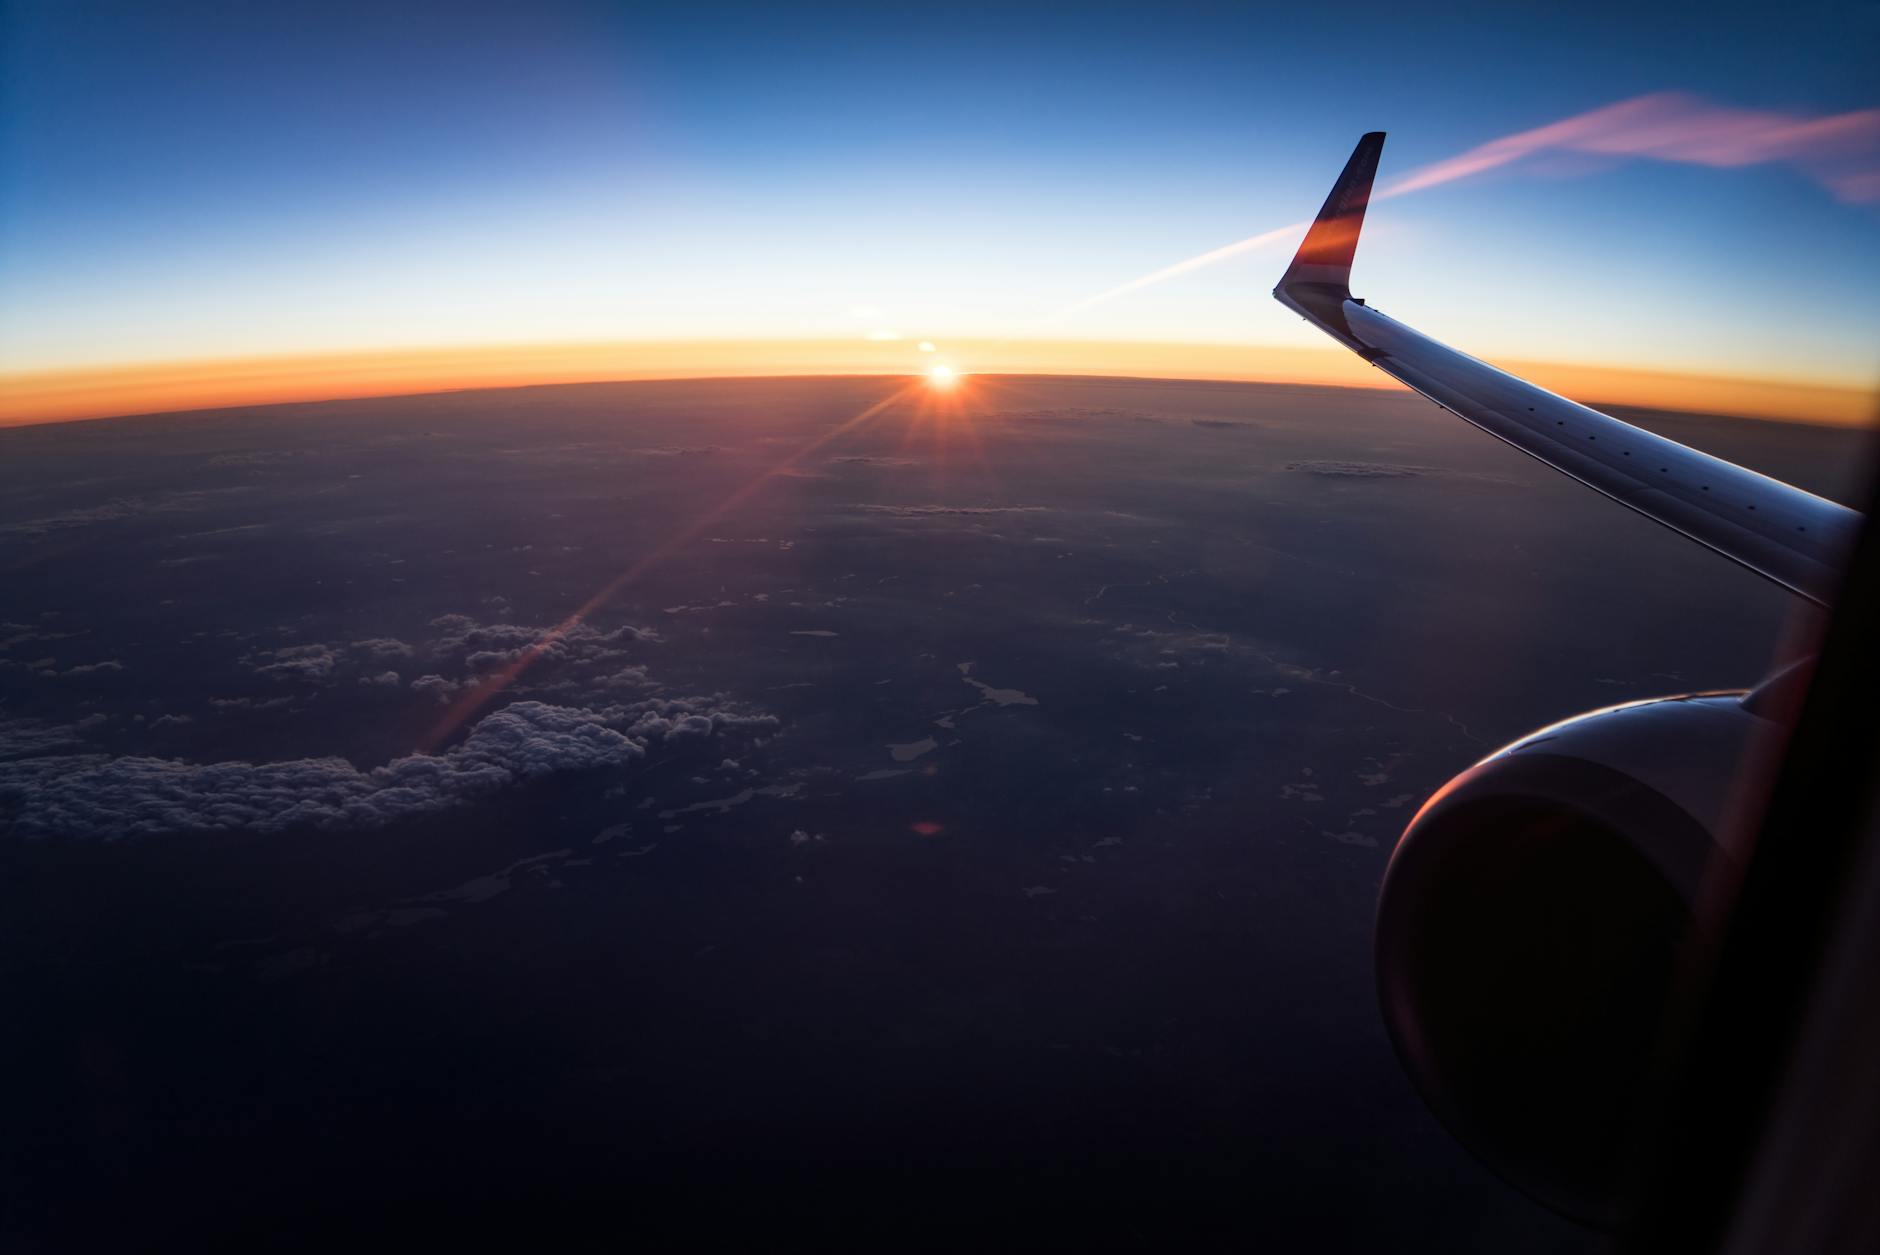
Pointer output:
x,y
777,810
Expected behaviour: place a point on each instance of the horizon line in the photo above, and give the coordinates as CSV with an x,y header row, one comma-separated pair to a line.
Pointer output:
x,y
138,389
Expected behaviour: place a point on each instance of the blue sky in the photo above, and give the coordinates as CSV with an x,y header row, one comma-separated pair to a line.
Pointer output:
x,y
187,180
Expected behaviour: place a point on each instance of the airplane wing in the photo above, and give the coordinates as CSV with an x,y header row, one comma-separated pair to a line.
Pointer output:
x,y
1792,537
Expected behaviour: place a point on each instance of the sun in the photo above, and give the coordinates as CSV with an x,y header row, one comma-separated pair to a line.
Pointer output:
x,y
942,376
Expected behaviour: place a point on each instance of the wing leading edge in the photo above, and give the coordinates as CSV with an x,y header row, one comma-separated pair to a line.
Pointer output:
x,y
1790,536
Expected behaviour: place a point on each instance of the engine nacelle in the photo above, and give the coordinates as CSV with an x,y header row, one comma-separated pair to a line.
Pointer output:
x,y
1530,927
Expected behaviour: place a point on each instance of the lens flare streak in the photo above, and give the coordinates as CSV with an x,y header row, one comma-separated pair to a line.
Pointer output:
x,y
478,696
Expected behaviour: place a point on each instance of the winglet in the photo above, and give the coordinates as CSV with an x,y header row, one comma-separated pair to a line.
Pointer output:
x,y
1325,257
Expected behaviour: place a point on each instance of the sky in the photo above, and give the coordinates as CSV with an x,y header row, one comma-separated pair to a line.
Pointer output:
x,y
291,200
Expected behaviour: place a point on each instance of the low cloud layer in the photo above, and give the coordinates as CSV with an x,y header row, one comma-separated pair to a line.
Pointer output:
x,y
99,797
933,511
595,707
20,738
488,646
1354,470
305,664
117,510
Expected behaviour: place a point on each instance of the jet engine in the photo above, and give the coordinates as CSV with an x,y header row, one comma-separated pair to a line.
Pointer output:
x,y
1531,924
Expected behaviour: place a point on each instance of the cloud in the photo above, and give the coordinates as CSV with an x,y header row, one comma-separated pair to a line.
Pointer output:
x,y
249,703
488,646
94,668
625,678
94,796
255,457
435,686
1068,414
22,737
1354,470
492,659
929,511
462,644
120,797
660,718
117,509
48,787
12,634
307,664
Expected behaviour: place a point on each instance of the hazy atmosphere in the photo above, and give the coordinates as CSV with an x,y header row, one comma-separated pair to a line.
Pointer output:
x,y
200,196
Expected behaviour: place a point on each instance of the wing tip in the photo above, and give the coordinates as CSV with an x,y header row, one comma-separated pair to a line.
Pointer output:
x,y
1331,242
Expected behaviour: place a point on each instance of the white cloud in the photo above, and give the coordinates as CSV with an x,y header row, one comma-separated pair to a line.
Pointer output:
x,y
51,789
101,797
94,668
21,737
306,664
435,686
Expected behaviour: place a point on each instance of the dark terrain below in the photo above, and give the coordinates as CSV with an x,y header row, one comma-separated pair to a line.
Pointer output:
x,y
956,827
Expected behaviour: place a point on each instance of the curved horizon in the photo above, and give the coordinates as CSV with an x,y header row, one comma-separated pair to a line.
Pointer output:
x,y
139,388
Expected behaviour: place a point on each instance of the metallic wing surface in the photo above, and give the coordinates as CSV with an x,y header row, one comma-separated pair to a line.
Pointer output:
x,y
1790,536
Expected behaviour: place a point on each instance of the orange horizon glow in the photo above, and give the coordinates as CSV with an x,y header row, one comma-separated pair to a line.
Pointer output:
x,y
92,392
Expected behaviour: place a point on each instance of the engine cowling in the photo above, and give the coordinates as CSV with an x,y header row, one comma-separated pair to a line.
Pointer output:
x,y
1530,926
